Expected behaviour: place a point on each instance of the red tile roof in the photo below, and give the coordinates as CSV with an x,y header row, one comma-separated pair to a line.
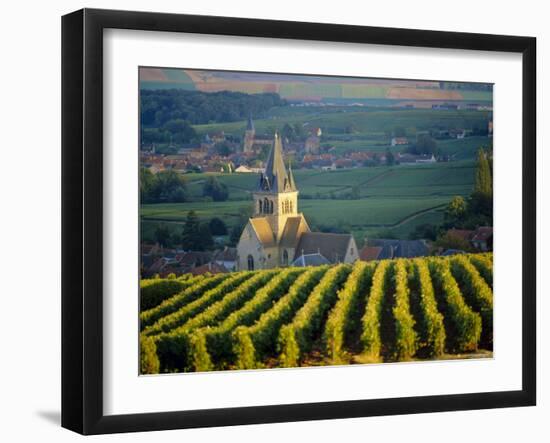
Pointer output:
x,y
370,253
463,234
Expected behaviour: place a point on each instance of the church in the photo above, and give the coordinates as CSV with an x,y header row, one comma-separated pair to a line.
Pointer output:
x,y
277,234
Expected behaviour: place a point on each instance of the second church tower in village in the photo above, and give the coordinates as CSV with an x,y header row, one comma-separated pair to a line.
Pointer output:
x,y
277,234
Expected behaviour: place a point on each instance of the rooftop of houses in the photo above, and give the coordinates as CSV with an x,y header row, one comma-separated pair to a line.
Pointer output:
x,y
331,246
370,252
310,260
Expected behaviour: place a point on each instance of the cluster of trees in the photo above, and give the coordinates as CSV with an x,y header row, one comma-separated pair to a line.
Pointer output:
x,y
164,187
195,235
176,131
214,189
294,133
464,213
424,144
477,209
158,107
171,187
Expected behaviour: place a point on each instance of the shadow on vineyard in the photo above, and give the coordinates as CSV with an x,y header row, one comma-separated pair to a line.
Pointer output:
x,y
393,310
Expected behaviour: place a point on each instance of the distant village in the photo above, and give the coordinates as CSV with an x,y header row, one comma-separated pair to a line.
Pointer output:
x,y
221,153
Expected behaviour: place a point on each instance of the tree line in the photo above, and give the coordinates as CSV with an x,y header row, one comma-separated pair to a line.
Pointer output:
x,y
171,187
168,115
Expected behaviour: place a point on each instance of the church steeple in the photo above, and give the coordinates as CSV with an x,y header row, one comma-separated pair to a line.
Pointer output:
x,y
250,123
276,179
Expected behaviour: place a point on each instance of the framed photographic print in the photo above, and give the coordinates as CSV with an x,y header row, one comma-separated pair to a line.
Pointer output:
x,y
270,221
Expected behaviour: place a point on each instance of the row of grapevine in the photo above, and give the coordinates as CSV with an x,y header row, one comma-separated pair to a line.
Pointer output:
x,y
180,317
156,290
462,325
476,292
389,310
484,265
371,339
297,337
213,345
405,334
431,328
172,347
340,321
175,302
254,343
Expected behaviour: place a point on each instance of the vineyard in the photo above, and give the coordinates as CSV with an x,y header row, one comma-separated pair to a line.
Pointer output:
x,y
386,311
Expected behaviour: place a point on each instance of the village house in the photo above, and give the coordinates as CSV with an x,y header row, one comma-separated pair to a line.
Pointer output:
x,y
481,238
379,249
277,234
399,141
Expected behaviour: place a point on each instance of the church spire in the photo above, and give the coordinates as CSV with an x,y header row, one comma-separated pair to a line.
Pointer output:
x,y
275,179
291,182
250,123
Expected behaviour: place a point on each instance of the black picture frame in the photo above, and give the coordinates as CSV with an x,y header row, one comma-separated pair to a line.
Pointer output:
x,y
82,215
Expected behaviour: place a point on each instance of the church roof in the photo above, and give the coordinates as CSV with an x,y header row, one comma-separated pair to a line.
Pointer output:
x,y
263,230
275,179
291,231
331,246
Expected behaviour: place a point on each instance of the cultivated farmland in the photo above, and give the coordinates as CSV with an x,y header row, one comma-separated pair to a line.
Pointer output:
x,y
386,311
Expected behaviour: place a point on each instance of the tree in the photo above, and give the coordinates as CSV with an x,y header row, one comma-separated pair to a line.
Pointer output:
x,y
456,210
213,188
424,145
424,231
170,187
217,226
190,236
235,234
390,158
223,149
162,235
181,130
483,179
450,241
205,237
146,185
288,132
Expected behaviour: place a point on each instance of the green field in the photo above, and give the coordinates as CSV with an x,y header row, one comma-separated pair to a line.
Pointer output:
x,y
392,201
365,121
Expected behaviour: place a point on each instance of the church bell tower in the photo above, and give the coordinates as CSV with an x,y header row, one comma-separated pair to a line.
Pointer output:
x,y
276,196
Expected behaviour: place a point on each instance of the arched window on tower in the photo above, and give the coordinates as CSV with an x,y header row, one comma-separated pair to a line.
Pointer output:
x,y
250,261
259,206
285,258
271,206
266,206
290,209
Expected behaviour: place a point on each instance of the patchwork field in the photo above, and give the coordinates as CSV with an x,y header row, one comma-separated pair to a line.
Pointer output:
x,y
387,311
